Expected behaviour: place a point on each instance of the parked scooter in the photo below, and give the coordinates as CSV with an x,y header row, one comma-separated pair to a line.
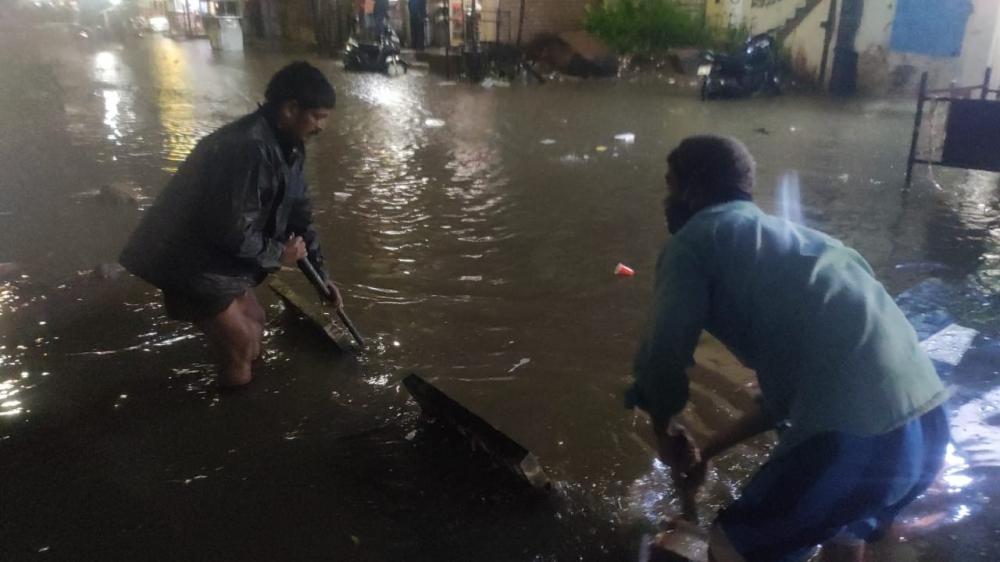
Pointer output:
x,y
754,69
375,55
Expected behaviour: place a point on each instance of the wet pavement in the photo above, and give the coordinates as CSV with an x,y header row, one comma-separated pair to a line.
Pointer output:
x,y
473,232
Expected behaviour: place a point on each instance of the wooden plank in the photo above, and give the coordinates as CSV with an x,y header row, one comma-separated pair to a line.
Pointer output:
x,y
483,436
314,314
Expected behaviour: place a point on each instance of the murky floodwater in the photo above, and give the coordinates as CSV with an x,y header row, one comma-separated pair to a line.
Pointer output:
x,y
473,232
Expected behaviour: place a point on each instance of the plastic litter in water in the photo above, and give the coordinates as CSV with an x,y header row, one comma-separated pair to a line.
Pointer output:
x,y
548,141
627,138
447,83
622,270
601,148
524,361
434,123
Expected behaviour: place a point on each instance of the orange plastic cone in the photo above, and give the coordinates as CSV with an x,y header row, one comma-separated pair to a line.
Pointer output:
x,y
622,270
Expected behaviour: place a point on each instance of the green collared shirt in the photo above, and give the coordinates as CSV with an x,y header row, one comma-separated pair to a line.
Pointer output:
x,y
831,349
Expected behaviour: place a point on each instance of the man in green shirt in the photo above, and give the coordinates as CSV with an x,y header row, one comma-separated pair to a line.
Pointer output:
x,y
842,377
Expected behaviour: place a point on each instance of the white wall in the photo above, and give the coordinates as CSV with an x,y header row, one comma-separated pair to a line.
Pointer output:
x,y
723,14
806,42
881,70
979,46
876,25
773,16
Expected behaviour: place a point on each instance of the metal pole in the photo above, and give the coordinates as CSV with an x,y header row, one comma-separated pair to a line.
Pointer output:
x,y
831,21
916,128
986,83
313,276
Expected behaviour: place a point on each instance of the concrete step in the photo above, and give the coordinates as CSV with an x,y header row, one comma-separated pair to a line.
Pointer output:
x,y
793,22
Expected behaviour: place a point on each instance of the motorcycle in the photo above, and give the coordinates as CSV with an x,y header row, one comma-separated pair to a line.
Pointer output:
x,y
754,69
374,55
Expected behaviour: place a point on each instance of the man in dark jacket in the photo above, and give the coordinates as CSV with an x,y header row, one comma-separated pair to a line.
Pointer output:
x,y
237,210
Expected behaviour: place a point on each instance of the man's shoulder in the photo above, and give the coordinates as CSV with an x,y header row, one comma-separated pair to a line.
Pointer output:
x,y
708,224
244,142
247,134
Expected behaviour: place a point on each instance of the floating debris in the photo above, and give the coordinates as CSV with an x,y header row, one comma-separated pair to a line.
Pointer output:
x,y
483,436
622,270
627,138
434,123
524,361
950,344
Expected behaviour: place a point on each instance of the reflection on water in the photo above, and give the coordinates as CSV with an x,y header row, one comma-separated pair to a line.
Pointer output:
x,y
180,131
112,99
107,68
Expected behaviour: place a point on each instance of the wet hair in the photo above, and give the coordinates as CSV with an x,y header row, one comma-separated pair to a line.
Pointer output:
x,y
302,83
719,168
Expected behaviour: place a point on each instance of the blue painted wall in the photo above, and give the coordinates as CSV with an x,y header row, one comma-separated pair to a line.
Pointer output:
x,y
930,27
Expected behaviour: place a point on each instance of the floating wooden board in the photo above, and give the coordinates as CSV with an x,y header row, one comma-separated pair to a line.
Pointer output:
x,y
314,314
509,453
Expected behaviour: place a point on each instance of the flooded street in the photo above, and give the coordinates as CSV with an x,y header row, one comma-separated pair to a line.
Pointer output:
x,y
473,232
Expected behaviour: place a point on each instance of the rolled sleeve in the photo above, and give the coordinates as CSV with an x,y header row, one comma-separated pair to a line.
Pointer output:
x,y
667,347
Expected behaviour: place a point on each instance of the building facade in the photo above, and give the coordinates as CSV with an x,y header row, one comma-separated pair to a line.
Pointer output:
x,y
882,46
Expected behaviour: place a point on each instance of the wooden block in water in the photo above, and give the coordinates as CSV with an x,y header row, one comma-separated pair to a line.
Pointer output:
x,y
507,452
314,314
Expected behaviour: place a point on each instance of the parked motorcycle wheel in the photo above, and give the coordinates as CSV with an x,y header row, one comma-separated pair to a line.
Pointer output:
x,y
774,85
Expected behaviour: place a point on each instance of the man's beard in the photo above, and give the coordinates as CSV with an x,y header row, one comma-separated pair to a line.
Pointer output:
x,y
677,215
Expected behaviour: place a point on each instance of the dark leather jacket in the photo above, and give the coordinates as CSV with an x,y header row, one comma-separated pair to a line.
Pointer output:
x,y
219,226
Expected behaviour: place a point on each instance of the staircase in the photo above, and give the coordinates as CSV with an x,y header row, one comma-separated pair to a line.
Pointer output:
x,y
793,22
779,17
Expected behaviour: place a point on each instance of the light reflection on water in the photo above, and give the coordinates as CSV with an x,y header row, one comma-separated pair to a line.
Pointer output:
x,y
181,130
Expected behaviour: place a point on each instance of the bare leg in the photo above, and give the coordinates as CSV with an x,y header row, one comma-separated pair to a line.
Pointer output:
x,y
235,334
255,315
